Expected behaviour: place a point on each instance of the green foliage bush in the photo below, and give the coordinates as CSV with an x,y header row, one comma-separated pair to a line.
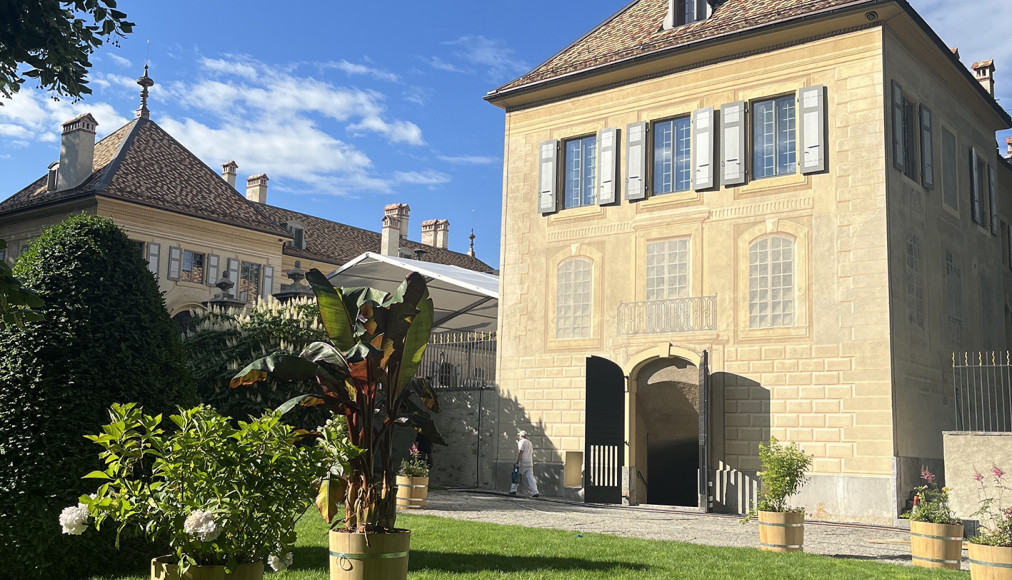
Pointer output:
x,y
783,474
106,338
220,342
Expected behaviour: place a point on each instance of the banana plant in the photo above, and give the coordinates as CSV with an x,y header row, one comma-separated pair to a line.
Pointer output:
x,y
366,374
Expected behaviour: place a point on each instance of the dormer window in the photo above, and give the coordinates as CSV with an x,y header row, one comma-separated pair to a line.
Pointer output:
x,y
298,232
681,12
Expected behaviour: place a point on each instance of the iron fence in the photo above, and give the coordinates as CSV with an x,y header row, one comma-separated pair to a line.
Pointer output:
x,y
982,391
666,316
460,361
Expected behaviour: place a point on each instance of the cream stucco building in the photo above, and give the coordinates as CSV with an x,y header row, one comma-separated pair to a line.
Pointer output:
x,y
191,223
729,220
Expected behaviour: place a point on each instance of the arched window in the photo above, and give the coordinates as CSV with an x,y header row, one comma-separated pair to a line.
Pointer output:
x,y
915,282
574,281
771,282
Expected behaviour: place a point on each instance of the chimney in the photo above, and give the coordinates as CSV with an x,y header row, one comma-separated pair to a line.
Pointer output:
x,y
256,188
429,232
228,172
390,237
77,151
955,50
1008,145
442,234
984,71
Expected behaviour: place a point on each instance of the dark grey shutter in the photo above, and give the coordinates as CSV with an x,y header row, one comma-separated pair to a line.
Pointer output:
x,y
927,150
898,158
812,135
607,153
266,288
732,143
975,187
993,193
153,255
175,255
212,269
233,275
636,161
702,148
547,177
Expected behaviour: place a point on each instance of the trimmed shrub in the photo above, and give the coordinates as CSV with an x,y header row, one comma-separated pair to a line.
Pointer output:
x,y
106,338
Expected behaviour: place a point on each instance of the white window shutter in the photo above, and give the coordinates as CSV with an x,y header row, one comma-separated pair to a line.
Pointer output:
x,y
266,288
927,149
153,255
812,136
702,148
732,143
212,269
636,161
547,176
175,255
233,275
992,178
607,169
975,189
898,160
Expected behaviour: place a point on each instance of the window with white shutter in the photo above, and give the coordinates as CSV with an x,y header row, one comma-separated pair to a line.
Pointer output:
x,y
927,149
175,257
732,143
812,136
153,255
608,167
636,161
547,176
580,171
672,155
268,282
702,150
212,269
774,138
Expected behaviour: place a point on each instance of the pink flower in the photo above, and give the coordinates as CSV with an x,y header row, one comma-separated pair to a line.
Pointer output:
x,y
997,472
978,476
927,475
414,450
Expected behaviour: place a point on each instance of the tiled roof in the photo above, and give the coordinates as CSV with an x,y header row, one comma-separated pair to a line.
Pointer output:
x,y
141,163
337,243
637,30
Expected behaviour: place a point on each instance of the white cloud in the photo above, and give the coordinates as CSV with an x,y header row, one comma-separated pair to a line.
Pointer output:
x,y
396,132
469,159
234,67
119,60
33,116
360,69
428,177
440,64
493,55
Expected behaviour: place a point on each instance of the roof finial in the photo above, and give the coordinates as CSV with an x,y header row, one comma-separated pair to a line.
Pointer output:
x,y
145,82
470,251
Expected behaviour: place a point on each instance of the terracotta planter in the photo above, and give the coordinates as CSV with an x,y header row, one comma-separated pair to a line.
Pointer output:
x,y
781,531
369,556
412,492
164,568
936,545
990,562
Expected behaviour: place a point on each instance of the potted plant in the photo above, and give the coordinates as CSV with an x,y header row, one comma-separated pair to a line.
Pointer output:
x,y
936,534
781,527
413,480
990,550
365,374
225,497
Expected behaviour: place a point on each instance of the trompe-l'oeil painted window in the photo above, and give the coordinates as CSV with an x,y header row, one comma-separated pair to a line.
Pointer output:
x,y
771,282
574,280
668,269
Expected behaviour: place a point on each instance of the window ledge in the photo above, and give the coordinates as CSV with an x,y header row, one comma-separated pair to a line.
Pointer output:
x,y
770,333
572,343
661,201
767,184
576,213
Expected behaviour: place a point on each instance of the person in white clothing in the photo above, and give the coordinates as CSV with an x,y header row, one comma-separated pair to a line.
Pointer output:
x,y
525,463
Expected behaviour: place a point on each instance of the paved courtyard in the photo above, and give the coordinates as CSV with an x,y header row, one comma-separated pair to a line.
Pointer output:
x,y
663,523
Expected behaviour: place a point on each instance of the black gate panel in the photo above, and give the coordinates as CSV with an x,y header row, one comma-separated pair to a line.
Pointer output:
x,y
704,431
604,452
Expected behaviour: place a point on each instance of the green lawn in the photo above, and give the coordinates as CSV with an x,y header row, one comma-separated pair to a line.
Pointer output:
x,y
445,548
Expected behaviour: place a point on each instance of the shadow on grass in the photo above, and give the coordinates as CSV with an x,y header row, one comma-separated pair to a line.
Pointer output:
x,y
310,558
465,563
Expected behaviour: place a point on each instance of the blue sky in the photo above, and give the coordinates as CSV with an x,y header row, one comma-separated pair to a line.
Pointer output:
x,y
351,106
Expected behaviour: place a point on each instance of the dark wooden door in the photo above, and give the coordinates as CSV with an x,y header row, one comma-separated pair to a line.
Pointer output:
x,y
704,432
604,451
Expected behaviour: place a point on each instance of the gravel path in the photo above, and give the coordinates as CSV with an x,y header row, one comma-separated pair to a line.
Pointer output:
x,y
663,523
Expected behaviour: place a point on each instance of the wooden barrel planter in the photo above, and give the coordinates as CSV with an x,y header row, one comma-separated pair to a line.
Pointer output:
x,y
781,531
412,492
164,568
990,562
369,556
936,545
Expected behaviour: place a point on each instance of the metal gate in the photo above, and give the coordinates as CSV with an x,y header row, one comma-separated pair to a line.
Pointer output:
x,y
704,430
604,452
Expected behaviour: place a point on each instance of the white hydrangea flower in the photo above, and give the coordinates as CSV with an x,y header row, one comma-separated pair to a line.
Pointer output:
x,y
203,525
74,519
277,563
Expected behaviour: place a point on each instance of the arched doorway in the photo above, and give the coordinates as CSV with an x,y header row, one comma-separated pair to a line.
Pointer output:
x,y
671,430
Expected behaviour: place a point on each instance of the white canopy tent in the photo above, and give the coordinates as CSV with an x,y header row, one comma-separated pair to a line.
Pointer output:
x,y
464,300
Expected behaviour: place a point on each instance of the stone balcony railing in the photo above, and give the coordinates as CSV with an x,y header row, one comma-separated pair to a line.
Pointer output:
x,y
694,314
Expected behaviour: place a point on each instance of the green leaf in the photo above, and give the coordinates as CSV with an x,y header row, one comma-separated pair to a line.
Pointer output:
x,y
97,475
332,310
283,367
